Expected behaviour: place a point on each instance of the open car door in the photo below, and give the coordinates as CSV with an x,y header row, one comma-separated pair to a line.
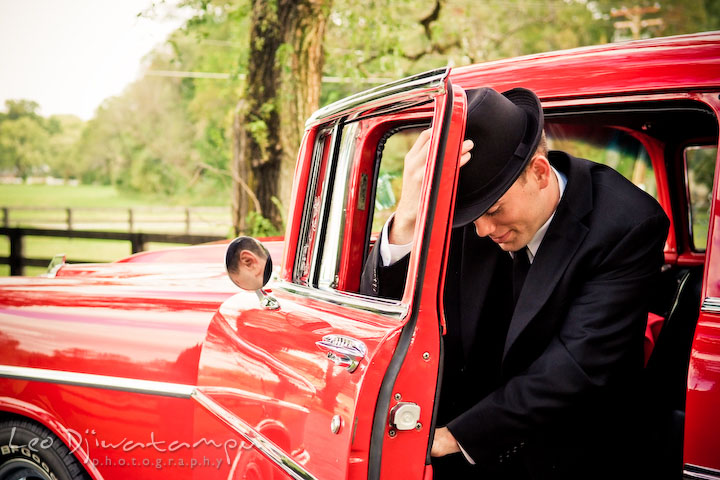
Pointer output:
x,y
334,384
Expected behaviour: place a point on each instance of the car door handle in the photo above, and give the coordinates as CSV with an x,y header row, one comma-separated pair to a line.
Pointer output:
x,y
343,350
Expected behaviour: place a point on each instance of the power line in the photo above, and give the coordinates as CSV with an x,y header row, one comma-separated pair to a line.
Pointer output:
x,y
241,76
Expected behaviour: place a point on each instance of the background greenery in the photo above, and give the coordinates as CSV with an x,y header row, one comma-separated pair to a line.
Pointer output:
x,y
169,137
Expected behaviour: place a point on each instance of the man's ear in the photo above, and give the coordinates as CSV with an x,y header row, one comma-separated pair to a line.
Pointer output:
x,y
247,259
541,170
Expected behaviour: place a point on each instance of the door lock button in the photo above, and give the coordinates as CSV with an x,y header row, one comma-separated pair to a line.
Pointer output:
x,y
405,416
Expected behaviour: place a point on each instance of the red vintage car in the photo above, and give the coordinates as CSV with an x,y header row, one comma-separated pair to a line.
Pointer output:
x,y
157,366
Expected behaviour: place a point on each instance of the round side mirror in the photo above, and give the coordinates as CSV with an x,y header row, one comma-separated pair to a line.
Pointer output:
x,y
248,263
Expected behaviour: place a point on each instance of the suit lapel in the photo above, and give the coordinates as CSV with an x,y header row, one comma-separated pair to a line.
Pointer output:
x,y
564,236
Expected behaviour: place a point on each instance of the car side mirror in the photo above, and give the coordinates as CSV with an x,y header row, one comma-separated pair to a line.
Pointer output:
x,y
249,266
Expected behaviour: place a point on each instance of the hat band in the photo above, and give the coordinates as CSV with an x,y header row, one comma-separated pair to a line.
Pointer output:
x,y
522,150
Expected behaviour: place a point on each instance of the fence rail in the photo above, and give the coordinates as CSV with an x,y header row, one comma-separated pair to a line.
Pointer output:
x,y
17,261
188,220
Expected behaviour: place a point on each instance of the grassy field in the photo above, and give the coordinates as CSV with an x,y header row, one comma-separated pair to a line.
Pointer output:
x,y
91,196
80,196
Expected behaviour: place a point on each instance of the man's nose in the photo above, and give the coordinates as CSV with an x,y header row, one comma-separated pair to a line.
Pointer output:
x,y
483,226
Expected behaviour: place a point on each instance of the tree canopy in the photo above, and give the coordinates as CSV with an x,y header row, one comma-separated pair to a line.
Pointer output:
x,y
175,131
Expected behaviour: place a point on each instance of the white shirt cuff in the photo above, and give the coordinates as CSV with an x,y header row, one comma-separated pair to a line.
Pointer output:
x,y
390,253
467,457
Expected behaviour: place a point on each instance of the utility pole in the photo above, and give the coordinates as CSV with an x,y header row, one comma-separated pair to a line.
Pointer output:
x,y
635,21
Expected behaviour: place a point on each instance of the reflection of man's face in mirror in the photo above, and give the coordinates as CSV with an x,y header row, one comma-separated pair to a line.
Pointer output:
x,y
246,261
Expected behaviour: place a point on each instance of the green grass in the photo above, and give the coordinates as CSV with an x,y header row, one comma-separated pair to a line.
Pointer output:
x,y
78,249
94,196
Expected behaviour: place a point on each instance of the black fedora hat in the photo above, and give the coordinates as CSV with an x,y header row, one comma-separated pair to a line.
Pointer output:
x,y
506,129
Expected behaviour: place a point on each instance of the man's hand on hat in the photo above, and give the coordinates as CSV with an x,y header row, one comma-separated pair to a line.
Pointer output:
x,y
465,155
403,226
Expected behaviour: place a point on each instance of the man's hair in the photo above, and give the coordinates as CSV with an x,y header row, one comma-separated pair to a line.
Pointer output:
x,y
232,257
542,149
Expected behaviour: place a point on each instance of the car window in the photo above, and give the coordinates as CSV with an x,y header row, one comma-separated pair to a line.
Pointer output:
x,y
391,151
699,174
609,146
668,139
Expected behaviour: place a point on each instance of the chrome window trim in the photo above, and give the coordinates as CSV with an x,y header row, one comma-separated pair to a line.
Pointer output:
x,y
318,245
335,225
257,440
711,305
165,389
433,82
696,472
380,306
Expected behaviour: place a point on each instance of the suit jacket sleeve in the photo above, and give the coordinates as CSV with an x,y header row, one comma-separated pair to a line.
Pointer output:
x,y
383,281
585,357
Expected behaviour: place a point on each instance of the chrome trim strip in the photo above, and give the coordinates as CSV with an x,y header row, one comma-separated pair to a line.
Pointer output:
x,y
265,446
432,81
711,305
696,472
149,387
381,306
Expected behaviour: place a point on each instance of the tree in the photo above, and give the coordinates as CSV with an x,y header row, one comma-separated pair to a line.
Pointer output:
x,y
282,88
20,108
141,141
23,145
62,158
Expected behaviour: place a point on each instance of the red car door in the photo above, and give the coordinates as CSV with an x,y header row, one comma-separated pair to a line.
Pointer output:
x,y
702,417
334,384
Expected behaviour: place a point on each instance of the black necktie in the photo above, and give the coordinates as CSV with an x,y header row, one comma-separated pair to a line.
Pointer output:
x,y
521,265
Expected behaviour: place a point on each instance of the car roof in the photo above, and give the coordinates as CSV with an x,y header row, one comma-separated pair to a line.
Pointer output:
x,y
671,63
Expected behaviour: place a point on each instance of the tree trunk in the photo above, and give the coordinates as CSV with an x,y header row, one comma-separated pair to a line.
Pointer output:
x,y
282,88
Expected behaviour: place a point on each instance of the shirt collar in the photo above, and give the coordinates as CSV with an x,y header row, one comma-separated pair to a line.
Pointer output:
x,y
537,239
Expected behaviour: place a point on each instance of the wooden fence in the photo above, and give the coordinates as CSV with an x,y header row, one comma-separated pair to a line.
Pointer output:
x,y
17,260
187,220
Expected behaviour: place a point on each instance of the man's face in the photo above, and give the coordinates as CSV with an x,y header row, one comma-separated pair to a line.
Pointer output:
x,y
515,218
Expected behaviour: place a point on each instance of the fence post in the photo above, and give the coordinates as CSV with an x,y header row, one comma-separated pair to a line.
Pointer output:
x,y
6,217
131,226
69,218
16,252
187,220
137,242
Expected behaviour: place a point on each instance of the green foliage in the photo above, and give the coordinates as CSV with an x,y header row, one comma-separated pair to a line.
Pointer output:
x,y
33,145
24,145
259,226
20,108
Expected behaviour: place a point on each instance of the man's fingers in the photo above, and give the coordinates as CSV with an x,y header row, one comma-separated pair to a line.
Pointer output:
x,y
465,154
422,140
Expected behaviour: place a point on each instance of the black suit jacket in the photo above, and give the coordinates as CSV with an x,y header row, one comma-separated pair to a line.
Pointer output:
x,y
551,392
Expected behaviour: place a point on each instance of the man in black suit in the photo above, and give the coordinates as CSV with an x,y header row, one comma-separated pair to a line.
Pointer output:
x,y
551,266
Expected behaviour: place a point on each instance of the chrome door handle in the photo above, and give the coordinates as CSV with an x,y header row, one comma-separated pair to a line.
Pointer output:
x,y
343,351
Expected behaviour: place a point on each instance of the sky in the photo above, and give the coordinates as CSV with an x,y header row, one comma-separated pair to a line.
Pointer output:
x,y
69,55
